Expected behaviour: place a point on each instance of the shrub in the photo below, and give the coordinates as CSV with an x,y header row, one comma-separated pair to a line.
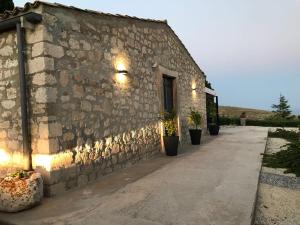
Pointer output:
x,y
285,134
194,118
168,120
288,159
21,174
270,122
229,121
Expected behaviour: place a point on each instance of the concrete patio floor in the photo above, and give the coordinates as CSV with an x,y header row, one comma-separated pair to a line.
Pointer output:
x,y
214,183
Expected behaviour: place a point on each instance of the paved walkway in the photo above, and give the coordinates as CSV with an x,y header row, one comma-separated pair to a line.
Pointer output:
x,y
214,184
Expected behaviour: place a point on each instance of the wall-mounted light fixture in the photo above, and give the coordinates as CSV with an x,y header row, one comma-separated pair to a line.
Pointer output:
x,y
123,72
194,90
121,75
4,157
121,65
194,86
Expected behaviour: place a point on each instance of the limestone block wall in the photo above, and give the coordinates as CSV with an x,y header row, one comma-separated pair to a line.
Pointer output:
x,y
86,120
10,108
10,120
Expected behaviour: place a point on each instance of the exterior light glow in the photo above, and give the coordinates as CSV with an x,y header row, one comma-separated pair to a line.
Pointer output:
x,y
121,77
44,161
124,72
194,87
121,73
121,65
4,157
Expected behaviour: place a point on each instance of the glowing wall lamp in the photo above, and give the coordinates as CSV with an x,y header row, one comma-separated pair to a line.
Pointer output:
x,y
121,66
123,72
194,87
44,161
4,157
122,75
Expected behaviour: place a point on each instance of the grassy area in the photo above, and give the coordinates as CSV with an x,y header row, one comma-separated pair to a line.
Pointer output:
x,y
289,158
253,114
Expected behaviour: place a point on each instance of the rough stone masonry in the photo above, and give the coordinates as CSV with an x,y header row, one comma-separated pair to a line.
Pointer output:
x,y
85,121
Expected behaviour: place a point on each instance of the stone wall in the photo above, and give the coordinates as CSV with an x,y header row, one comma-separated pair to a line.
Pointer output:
x,y
85,120
10,120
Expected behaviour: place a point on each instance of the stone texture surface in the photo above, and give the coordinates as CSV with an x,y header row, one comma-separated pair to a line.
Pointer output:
x,y
20,194
10,126
101,123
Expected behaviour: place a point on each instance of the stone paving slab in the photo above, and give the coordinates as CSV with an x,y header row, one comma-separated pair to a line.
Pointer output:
x,y
215,184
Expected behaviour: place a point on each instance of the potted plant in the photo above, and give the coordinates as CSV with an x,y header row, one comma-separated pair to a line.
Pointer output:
x,y
20,190
194,119
213,126
243,119
214,129
170,138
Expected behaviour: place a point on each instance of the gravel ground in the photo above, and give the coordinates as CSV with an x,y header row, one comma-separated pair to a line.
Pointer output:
x,y
278,200
277,206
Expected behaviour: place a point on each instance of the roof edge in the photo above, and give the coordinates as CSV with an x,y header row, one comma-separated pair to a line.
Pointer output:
x,y
36,4
28,6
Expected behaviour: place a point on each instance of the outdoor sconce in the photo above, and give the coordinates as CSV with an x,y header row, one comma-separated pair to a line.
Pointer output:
x,y
122,76
194,86
123,72
194,91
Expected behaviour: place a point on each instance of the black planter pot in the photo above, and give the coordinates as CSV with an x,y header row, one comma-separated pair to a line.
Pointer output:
x,y
195,136
213,129
171,145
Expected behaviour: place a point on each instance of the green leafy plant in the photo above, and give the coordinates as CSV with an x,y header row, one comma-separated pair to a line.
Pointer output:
x,y
194,118
288,159
6,5
19,174
289,135
283,108
211,110
208,85
168,120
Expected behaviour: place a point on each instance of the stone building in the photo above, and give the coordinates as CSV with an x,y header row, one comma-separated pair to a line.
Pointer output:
x,y
95,85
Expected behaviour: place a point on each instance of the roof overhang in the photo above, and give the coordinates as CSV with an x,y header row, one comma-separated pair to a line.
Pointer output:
x,y
10,23
210,91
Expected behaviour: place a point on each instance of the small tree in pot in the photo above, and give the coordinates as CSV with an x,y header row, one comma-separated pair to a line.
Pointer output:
x,y
213,126
171,140
194,119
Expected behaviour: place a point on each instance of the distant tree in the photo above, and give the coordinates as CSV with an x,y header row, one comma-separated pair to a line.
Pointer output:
x,y
283,108
6,5
208,85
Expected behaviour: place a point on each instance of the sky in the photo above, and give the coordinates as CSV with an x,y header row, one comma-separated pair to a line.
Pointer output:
x,y
249,49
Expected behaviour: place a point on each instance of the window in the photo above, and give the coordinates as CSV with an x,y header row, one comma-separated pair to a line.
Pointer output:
x,y
168,93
